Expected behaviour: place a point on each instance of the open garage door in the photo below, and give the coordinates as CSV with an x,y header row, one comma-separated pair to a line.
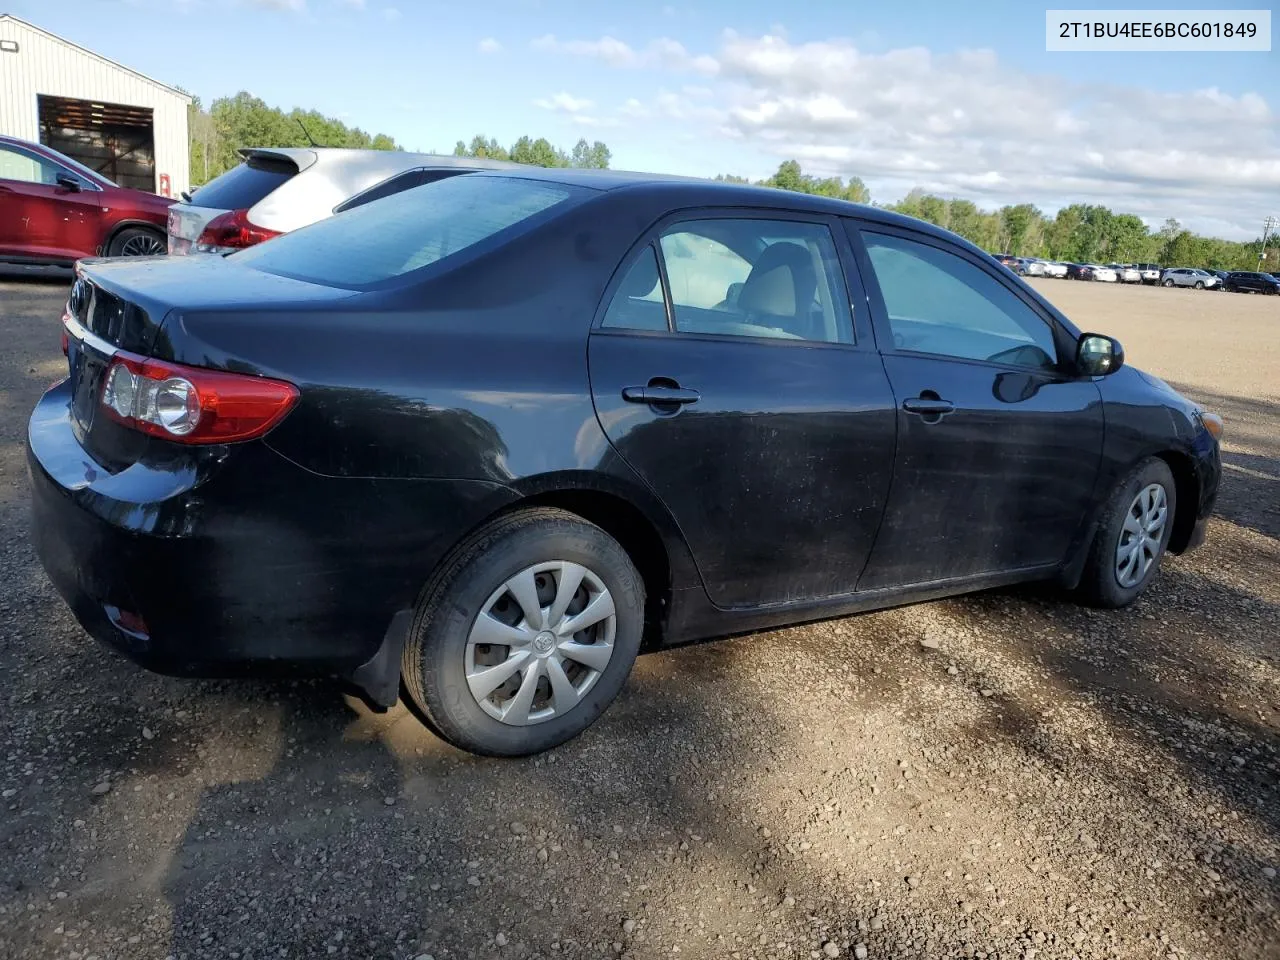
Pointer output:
x,y
117,141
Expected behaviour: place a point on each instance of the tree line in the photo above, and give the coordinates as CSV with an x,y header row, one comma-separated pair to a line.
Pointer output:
x,y
244,120
1079,233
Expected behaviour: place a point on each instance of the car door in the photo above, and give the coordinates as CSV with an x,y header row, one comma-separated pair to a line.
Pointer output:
x,y
999,442
728,372
40,217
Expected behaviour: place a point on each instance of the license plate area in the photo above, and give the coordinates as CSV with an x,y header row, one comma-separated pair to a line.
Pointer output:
x,y
87,370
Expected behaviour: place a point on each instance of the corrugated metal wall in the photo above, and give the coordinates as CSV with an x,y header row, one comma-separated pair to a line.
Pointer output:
x,y
44,65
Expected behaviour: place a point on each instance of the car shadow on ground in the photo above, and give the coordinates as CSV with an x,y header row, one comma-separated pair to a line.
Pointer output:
x,y
367,835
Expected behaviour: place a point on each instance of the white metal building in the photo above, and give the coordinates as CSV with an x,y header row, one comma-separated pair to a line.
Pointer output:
x,y
130,128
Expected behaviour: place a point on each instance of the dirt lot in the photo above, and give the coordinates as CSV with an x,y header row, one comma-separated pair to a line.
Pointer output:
x,y
1006,775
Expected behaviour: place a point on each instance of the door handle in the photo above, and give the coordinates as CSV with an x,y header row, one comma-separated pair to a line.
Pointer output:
x,y
659,394
928,406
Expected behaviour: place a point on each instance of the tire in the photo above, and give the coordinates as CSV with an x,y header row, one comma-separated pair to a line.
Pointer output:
x,y
472,582
1168,283
136,242
1199,284
1101,584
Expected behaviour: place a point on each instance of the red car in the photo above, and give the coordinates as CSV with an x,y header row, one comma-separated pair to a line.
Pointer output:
x,y
55,210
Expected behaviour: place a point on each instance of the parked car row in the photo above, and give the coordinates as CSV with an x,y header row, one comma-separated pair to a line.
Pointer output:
x,y
54,210
1240,281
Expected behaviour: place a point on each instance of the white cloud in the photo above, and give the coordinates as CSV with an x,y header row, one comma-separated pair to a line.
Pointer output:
x,y
489,45
964,124
663,52
352,4
563,103
294,6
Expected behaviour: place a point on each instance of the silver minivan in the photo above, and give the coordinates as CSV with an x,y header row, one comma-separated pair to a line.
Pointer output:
x,y
279,189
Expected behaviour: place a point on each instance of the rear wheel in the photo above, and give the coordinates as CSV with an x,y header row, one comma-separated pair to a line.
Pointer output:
x,y
525,634
1131,537
136,242
1168,283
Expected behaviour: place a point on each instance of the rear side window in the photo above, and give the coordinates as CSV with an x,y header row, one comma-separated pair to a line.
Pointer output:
x,y
243,186
406,231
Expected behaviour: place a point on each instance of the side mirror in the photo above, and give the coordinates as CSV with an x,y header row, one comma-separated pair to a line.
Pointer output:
x,y
68,182
1098,355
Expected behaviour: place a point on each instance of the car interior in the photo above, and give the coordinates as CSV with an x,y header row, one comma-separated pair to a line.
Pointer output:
x,y
728,279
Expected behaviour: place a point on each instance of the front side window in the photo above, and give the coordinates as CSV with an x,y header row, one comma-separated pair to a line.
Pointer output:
x,y
26,167
406,231
774,279
940,303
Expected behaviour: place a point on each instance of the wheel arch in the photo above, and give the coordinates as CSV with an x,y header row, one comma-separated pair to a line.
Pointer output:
x,y
640,524
1186,487
121,225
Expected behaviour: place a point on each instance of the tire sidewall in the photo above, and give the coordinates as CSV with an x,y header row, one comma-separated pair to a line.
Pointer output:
x,y
1108,588
444,638
120,239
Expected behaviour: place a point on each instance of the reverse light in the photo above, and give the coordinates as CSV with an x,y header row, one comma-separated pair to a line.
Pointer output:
x,y
231,231
192,404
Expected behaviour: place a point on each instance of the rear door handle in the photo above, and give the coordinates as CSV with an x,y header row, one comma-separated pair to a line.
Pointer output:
x,y
660,394
928,407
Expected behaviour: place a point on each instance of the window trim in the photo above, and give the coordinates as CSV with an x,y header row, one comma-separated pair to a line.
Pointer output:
x,y
85,182
1063,342
860,326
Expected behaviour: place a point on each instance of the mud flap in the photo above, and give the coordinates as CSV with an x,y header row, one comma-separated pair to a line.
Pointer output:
x,y
378,678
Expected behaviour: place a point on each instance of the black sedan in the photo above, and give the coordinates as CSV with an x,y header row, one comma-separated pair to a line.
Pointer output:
x,y
489,437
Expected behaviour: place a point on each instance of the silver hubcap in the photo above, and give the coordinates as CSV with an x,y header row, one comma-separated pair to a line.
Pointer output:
x,y
1141,535
541,641
143,245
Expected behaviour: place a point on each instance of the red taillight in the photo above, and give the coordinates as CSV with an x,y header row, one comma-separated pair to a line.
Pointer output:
x,y
232,231
191,404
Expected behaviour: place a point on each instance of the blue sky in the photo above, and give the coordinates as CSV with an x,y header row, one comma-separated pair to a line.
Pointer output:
x,y
964,101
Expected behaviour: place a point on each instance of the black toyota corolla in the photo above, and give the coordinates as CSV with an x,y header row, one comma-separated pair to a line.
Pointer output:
x,y
486,438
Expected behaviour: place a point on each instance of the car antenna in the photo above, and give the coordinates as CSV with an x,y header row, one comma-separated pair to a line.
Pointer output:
x,y
306,131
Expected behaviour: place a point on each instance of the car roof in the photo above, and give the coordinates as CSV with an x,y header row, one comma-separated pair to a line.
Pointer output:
x,y
693,191
306,157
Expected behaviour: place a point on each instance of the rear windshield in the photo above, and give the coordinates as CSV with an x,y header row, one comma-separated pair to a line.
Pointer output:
x,y
243,186
406,231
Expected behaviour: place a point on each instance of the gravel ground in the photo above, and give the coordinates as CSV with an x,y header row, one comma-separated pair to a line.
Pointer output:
x,y
1006,775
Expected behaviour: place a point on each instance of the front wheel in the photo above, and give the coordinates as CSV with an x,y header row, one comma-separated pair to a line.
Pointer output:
x,y
525,634
1131,536
1199,284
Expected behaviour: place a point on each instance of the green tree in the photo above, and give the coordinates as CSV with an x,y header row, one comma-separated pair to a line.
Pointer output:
x,y
594,156
1022,227
247,121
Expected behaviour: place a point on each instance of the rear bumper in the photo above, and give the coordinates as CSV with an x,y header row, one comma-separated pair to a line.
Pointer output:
x,y
233,561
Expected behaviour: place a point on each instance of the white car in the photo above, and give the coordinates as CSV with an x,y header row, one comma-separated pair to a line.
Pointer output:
x,y
1150,272
1035,268
1126,273
1054,269
1105,274
281,189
